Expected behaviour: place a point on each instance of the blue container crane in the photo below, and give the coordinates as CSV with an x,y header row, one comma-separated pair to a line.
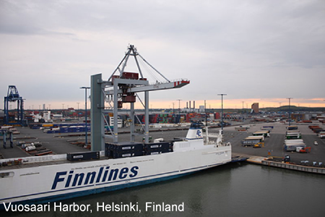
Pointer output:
x,y
13,96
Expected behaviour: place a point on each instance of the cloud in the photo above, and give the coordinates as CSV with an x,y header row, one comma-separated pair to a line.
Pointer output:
x,y
247,49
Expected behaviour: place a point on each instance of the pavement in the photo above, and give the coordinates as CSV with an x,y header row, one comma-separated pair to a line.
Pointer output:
x,y
274,144
57,144
60,143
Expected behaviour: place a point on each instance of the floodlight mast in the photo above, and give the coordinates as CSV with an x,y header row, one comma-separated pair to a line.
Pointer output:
x,y
120,89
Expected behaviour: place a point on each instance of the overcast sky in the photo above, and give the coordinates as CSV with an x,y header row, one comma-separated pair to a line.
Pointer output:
x,y
253,51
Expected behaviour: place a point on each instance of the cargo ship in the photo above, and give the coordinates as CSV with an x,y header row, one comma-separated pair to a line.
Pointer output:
x,y
114,165
57,177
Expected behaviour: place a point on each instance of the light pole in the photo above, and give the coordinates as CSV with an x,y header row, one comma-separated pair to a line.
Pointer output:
x,y
205,111
222,94
243,112
179,106
289,111
86,127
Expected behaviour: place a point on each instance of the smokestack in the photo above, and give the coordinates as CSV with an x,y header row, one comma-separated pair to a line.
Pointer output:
x,y
193,104
190,104
187,105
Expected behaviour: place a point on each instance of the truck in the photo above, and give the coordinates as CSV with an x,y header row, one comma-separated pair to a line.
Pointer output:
x,y
286,158
321,135
255,141
303,150
242,128
264,133
292,127
293,141
293,134
291,145
267,127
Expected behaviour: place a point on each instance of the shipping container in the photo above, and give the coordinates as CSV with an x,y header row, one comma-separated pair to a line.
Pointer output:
x,y
125,149
130,75
128,154
292,127
157,148
293,146
264,133
293,134
267,127
79,156
253,140
129,98
317,130
288,141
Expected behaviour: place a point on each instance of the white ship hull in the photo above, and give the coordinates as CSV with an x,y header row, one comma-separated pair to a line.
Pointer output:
x,y
31,184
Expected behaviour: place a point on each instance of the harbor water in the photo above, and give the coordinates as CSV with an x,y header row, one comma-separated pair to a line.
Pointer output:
x,y
237,189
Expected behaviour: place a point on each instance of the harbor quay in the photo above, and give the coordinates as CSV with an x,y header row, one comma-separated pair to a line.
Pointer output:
x,y
271,151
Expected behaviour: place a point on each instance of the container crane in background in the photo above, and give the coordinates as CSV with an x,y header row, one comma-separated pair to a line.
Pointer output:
x,y
13,96
123,87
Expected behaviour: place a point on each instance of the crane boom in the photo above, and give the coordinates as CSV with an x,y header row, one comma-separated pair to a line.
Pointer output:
x,y
160,86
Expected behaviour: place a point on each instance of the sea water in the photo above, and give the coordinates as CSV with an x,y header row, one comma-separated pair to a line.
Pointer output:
x,y
237,189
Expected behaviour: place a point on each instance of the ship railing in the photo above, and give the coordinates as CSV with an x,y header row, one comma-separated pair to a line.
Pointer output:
x,y
41,159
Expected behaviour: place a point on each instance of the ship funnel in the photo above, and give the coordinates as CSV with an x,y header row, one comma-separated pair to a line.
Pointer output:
x,y
195,131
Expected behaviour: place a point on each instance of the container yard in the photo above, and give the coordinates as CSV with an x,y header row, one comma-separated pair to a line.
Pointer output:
x,y
311,148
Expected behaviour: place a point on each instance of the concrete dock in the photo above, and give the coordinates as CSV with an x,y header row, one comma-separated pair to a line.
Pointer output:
x,y
265,161
61,143
291,166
